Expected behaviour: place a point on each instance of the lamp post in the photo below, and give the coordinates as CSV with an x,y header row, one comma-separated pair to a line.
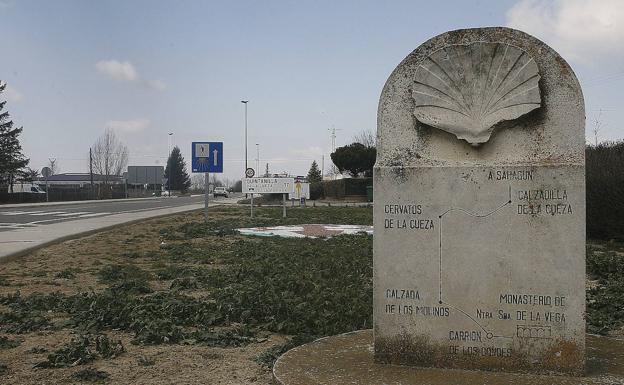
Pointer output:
x,y
245,103
169,177
257,158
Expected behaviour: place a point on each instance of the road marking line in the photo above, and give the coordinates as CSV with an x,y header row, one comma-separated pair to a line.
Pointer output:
x,y
93,215
49,213
21,212
75,213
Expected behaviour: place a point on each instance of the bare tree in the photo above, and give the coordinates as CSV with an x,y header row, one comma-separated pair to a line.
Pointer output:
x,y
214,181
30,175
197,182
365,137
110,155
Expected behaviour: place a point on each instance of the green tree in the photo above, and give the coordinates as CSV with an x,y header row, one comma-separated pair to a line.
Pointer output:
x,y
12,160
355,158
315,178
314,174
177,178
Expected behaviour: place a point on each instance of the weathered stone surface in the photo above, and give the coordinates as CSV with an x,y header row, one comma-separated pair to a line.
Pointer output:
x,y
480,250
348,359
467,89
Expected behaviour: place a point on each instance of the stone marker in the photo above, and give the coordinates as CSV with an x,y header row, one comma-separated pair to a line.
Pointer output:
x,y
479,243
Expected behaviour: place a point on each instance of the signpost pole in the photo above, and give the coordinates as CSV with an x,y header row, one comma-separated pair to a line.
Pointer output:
x,y
252,205
47,196
284,204
206,192
207,157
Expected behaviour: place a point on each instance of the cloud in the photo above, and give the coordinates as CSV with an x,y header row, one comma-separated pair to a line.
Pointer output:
x,y
155,84
12,95
116,70
128,126
126,72
311,152
578,29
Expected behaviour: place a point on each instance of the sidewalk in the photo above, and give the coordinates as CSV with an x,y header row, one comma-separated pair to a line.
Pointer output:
x,y
16,243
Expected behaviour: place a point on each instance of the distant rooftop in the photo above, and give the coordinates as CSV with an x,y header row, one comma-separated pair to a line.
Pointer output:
x,y
79,177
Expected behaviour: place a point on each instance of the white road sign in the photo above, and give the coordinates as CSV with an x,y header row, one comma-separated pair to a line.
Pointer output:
x,y
268,185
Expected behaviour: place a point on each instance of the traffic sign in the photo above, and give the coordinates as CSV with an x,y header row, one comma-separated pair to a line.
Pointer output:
x,y
249,173
207,157
46,172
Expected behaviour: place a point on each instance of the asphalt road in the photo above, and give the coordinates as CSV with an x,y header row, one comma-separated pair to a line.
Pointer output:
x,y
18,218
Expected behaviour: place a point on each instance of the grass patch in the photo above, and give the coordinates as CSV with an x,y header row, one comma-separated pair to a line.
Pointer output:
x,y
605,301
76,352
37,350
82,350
68,273
23,321
302,286
117,273
7,343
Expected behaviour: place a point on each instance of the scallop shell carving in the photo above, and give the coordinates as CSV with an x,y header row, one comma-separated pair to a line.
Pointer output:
x,y
467,89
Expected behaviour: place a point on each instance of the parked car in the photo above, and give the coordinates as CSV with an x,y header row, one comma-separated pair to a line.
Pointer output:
x,y
29,188
220,191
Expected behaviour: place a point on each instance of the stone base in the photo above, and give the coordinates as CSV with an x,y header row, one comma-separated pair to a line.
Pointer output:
x,y
348,359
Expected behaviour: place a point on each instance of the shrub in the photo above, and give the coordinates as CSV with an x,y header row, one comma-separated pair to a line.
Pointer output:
x,y
605,190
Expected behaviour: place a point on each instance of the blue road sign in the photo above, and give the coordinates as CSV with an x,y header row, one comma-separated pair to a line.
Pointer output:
x,y
207,157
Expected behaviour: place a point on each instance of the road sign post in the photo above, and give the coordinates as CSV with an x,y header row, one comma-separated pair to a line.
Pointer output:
x,y
46,172
269,186
207,157
206,195
249,173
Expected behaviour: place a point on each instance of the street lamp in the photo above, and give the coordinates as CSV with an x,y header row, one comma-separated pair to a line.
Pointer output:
x,y
245,103
169,177
258,158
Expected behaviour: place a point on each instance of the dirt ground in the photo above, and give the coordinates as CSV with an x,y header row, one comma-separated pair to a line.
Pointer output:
x,y
167,363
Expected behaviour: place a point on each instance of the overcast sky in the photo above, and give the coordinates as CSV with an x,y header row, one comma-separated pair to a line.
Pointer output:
x,y
146,68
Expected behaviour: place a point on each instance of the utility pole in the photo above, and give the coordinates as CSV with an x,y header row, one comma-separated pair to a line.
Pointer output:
x,y
170,176
258,158
244,175
245,103
333,146
53,164
91,172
